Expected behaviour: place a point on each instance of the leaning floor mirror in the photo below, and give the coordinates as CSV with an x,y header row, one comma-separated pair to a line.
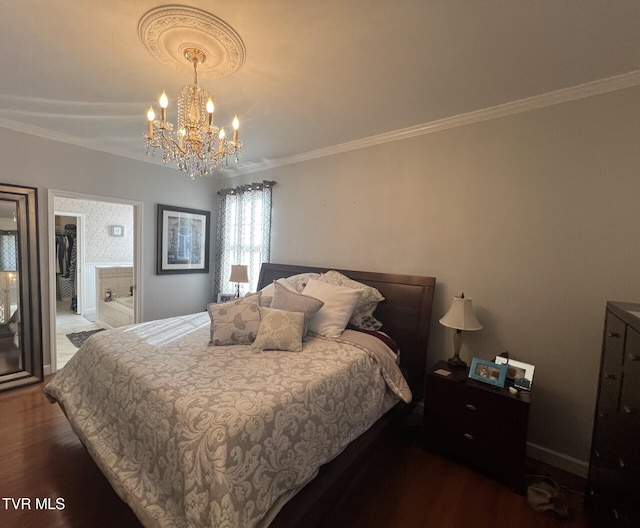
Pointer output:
x,y
20,309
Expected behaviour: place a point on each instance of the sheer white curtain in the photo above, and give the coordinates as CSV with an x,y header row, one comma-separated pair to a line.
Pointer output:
x,y
244,233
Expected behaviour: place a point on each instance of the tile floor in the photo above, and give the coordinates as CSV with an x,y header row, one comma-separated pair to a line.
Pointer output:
x,y
68,322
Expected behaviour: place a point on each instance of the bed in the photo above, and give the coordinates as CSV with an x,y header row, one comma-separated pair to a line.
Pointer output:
x,y
190,434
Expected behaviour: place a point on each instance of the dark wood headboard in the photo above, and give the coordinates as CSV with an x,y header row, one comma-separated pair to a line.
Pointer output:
x,y
405,313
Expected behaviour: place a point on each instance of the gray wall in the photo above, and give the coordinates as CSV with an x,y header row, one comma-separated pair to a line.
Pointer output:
x,y
535,216
45,164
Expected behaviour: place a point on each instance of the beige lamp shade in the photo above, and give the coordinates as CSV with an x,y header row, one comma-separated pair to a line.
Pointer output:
x,y
239,273
460,316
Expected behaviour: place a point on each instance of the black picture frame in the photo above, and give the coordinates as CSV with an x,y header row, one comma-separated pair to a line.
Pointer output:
x,y
183,240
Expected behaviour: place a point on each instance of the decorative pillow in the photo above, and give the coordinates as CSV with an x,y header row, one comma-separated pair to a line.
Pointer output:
x,y
265,300
269,289
339,302
368,300
294,283
280,330
368,322
285,299
235,322
300,280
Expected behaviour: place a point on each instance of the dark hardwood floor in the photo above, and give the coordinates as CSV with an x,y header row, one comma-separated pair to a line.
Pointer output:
x,y
404,488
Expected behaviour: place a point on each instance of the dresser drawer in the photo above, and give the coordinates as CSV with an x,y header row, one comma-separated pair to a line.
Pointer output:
x,y
613,349
615,485
630,402
616,441
604,513
609,397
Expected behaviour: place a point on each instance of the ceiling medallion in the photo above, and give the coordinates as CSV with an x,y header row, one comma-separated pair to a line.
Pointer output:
x,y
168,32
187,39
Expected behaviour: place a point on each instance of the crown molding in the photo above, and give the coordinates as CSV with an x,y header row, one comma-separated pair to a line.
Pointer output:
x,y
565,95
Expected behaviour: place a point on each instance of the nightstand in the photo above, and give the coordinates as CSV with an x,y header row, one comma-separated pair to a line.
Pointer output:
x,y
481,426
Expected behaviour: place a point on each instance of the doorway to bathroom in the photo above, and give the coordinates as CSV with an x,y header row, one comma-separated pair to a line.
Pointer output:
x,y
94,269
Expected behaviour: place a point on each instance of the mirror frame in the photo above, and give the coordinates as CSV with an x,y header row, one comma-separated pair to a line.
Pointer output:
x,y
26,201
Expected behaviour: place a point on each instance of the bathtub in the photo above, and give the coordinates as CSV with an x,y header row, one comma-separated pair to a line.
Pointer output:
x,y
117,312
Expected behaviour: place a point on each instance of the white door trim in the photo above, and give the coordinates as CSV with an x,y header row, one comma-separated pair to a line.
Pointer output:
x,y
137,260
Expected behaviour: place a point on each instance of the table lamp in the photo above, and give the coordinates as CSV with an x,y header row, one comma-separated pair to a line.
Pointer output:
x,y
238,274
460,316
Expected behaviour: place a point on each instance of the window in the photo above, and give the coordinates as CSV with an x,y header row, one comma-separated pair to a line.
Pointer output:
x,y
244,233
8,251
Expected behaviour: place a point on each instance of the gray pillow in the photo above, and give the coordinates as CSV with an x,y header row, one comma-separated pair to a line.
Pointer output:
x,y
290,301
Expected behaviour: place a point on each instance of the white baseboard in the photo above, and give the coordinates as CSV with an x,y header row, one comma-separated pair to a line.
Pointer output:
x,y
47,370
559,460
543,454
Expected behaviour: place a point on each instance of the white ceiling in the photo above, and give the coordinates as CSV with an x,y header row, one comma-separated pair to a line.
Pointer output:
x,y
317,73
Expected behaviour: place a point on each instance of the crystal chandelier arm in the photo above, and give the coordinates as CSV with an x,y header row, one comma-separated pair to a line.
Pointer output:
x,y
196,145
172,143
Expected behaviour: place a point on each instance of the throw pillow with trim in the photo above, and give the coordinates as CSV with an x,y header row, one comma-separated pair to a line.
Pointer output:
x,y
280,330
235,322
285,299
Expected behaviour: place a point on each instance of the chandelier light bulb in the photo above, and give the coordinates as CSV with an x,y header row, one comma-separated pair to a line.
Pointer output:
x,y
151,115
236,125
196,145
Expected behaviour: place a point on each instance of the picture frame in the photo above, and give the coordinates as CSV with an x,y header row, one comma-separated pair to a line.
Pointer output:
x,y
116,230
226,297
519,374
183,240
488,372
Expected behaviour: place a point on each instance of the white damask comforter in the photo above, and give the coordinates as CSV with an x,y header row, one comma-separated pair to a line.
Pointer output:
x,y
191,435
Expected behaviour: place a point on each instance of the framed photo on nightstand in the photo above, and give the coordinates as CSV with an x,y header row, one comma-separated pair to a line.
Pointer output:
x,y
488,372
226,297
519,374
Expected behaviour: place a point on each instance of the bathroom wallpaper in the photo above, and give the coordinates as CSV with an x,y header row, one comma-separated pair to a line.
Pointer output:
x,y
100,246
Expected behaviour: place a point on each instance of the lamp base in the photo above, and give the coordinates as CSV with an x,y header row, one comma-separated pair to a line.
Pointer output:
x,y
455,362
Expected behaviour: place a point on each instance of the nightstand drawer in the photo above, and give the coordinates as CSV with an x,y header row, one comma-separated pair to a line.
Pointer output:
x,y
482,427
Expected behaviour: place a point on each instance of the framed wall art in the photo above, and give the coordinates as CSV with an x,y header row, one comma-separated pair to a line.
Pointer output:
x,y
116,230
183,239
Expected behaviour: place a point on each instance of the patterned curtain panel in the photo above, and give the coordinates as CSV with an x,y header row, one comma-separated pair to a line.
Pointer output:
x,y
8,251
244,233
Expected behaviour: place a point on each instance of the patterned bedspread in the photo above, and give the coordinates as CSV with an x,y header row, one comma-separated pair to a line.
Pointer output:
x,y
191,435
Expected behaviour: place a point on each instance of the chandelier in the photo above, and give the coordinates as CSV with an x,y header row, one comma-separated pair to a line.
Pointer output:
x,y
197,146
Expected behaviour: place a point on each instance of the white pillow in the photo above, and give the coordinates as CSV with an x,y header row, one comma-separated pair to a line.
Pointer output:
x,y
367,302
339,302
270,289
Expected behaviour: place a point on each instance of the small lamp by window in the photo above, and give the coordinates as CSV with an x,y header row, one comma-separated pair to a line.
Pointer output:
x,y
460,316
239,273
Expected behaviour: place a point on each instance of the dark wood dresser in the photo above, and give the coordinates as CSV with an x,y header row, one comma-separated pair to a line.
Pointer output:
x,y
613,492
476,424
